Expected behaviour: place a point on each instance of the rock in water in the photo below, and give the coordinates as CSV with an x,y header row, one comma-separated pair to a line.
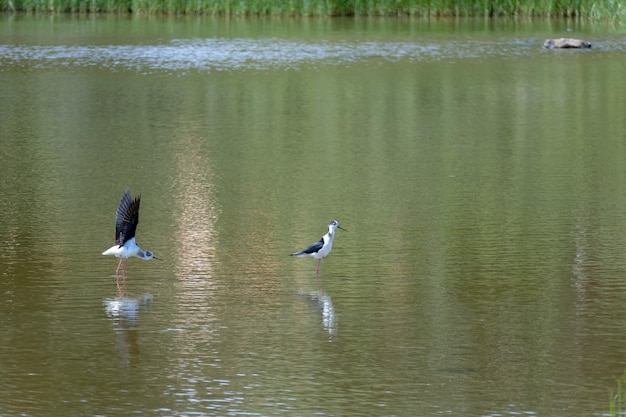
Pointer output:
x,y
565,43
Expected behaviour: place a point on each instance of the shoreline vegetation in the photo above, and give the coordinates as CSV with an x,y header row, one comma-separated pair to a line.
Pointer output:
x,y
617,401
613,11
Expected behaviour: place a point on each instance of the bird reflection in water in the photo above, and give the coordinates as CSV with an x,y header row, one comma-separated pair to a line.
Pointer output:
x,y
125,308
124,312
324,306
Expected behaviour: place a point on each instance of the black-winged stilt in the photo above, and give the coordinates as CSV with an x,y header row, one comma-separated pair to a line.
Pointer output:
x,y
321,248
125,227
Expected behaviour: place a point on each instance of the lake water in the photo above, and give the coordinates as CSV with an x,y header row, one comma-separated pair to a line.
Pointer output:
x,y
480,177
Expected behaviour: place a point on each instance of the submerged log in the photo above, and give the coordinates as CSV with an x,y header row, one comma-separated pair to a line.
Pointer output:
x,y
565,43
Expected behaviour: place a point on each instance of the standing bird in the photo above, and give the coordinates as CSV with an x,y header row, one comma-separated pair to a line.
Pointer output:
x,y
321,248
125,227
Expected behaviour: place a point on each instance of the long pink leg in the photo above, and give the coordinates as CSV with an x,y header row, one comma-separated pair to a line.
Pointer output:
x,y
124,274
125,262
117,276
117,271
317,273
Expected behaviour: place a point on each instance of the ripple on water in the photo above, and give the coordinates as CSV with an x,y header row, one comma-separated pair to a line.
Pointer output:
x,y
221,54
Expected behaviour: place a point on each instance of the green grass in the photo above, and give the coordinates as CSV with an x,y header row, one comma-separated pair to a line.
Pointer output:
x,y
617,401
600,10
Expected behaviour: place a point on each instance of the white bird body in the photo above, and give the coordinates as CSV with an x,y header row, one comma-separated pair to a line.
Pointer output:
x,y
127,250
326,246
322,247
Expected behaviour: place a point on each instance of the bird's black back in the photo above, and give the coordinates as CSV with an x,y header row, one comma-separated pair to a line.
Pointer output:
x,y
312,248
127,218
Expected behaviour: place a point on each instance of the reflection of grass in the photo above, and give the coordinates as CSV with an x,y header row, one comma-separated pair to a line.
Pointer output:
x,y
607,10
617,405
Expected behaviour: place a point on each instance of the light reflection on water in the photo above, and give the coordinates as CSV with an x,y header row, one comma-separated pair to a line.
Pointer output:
x,y
261,54
195,214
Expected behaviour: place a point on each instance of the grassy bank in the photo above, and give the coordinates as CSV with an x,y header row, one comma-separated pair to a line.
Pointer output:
x,y
617,401
610,10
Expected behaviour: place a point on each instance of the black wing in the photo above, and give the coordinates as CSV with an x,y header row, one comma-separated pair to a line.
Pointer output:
x,y
127,218
315,247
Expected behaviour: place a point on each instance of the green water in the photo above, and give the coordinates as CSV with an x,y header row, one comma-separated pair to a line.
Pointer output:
x,y
480,177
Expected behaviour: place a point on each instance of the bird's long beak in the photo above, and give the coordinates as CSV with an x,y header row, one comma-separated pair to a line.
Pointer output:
x,y
154,257
339,227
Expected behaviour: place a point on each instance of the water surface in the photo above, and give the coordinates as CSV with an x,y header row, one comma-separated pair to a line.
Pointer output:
x,y
480,177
